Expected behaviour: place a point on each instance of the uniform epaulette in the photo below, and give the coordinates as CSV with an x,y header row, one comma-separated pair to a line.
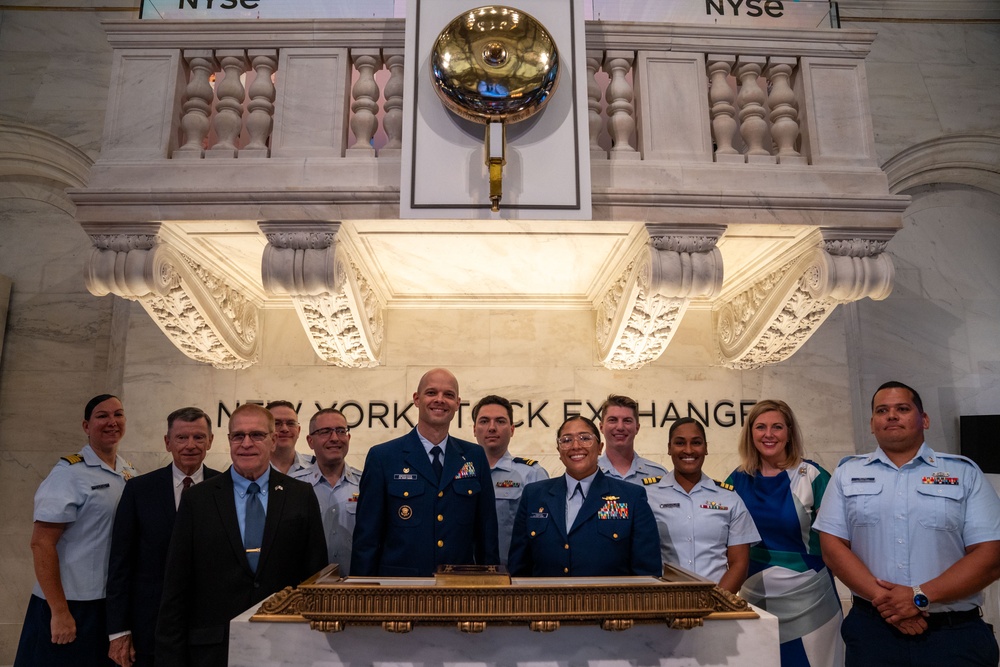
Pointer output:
x,y
527,462
723,485
651,480
72,458
852,456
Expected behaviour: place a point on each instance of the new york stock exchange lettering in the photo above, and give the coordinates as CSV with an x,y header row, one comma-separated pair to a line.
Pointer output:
x,y
545,414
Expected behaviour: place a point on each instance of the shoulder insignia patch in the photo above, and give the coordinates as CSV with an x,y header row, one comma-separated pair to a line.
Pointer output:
x,y
72,458
527,462
723,485
651,480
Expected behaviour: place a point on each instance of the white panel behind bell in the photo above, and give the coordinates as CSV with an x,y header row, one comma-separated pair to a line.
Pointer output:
x,y
444,173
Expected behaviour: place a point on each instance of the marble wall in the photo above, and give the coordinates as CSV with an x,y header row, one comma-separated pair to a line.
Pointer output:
x,y
939,330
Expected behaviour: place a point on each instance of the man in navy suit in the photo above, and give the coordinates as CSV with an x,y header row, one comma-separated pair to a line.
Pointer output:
x,y
583,523
141,535
426,499
238,538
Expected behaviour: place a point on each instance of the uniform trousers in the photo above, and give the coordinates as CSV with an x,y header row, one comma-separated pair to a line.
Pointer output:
x,y
90,648
955,639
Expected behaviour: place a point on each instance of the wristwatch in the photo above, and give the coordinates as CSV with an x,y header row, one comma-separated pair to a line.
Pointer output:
x,y
919,598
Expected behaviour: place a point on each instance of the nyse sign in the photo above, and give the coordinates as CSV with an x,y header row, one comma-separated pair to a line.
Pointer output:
x,y
755,13
543,414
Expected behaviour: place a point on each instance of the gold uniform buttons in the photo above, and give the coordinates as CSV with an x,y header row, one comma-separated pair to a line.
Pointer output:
x,y
614,535
566,546
440,517
440,494
470,492
565,570
440,543
406,494
532,533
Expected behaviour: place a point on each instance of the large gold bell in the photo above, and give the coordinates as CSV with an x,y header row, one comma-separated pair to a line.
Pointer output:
x,y
495,65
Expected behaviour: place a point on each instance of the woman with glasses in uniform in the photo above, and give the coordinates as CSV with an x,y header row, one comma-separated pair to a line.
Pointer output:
x,y
583,523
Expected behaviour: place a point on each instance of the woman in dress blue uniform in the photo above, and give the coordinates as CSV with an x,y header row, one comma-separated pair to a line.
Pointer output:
x,y
704,526
583,523
787,575
74,510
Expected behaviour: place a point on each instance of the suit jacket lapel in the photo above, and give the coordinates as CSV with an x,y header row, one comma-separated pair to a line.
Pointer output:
x,y
275,507
454,459
416,457
225,502
557,504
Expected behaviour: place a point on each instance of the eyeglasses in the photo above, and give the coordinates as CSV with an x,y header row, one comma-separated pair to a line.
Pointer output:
x,y
290,423
341,431
585,439
255,436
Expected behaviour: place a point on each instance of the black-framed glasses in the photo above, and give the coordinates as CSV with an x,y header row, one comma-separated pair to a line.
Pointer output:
x,y
255,436
341,431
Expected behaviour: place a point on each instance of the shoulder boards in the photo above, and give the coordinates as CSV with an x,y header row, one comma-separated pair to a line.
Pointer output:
x,y
852,456
72,458
646,481
527,462
723,485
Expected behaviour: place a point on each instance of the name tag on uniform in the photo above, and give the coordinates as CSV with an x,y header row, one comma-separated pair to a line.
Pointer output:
x,y
862,479
99,486
401,476
538,515
670,506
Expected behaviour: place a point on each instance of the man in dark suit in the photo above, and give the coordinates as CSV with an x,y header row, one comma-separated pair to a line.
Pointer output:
x,y
141,534
426,499
238,538
583,523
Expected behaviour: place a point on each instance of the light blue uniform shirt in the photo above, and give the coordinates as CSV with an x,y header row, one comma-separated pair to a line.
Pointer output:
x,y
240,486
338,505
510,476
697,527
910,524
641,468
84,495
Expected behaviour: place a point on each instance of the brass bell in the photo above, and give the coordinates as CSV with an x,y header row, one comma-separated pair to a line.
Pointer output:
x,y
495,65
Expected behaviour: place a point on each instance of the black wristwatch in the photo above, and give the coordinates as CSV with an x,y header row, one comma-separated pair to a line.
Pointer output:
x,y
920,599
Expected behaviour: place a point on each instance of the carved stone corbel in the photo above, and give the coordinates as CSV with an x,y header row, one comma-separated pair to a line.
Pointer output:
x,y
638,315
200,313
343,316
768,321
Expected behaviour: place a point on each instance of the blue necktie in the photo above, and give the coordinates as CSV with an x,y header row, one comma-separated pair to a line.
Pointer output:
x,y
574,505
436,463
253,533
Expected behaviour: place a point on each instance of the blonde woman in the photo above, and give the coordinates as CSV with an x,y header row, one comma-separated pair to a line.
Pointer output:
x,y
787,577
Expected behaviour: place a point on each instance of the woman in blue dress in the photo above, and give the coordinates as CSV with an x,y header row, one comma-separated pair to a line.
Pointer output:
x,y
787,577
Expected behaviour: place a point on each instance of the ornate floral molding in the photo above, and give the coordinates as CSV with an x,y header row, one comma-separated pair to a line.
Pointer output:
x,y
768,321
200,313
341,313
638,315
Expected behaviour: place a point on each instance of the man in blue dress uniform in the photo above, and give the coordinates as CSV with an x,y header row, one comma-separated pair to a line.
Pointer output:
x,y
493,425
915,534
426,499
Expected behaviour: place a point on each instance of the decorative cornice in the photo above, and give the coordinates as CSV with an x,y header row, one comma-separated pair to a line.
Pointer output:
x,y
341,314
201,314
767,322
966,159
639,313
29,151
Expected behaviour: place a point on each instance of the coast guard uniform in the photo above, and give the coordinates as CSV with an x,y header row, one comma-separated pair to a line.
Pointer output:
x,y
908,525
510,475
338,505
696,527
641,468
614,533
409,521
82,492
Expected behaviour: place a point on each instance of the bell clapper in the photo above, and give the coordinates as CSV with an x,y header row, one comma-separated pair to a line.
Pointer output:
x,y
496,158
